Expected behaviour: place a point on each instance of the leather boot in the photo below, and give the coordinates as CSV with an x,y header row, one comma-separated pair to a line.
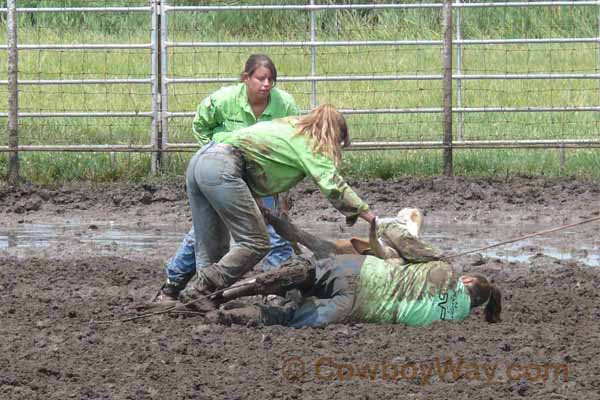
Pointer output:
x,y
237,314
167,296
277,311
197,295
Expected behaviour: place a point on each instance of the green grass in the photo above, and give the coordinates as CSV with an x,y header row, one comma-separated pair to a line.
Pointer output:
x,y
389,164
291,26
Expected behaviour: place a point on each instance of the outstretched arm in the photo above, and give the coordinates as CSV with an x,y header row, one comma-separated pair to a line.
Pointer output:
x,y
286,229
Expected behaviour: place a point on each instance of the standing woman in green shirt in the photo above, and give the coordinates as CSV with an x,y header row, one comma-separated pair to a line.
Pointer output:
x,y
254,99
226,175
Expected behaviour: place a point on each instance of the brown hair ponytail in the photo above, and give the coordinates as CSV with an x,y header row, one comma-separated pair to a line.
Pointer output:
x,y
256,61
482,291
493,306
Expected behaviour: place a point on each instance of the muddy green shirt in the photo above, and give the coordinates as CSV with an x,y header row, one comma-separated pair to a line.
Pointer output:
x,y
412,294
228,109
277,159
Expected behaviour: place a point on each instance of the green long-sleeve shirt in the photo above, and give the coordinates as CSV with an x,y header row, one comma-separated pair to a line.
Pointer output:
x,y
277,159
228,109
412,294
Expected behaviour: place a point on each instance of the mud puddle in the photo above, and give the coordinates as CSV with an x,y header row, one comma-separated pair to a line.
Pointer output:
x,y
579,244
523,251
461,239
100,233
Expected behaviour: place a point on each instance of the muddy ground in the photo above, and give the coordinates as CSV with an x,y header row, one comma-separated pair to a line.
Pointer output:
x,y
54,344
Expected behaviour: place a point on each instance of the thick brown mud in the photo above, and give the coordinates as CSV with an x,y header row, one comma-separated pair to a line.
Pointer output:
x,y
56,343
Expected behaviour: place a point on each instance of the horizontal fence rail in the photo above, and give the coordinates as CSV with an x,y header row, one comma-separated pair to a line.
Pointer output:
x,y
79,46
360,146
162,78
395,78
78,9
379,43
81,81
120,114
321,7
433,110
94,148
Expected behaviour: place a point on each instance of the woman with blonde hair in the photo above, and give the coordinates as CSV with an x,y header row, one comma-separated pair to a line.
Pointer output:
x,y
226,176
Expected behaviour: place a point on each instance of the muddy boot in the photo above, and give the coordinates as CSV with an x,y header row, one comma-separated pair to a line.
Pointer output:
x,y
280,310
196,295
277,311
166,297
237,314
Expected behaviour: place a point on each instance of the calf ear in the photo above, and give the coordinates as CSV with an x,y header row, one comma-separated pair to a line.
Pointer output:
x,y
416,216
361,246
344,246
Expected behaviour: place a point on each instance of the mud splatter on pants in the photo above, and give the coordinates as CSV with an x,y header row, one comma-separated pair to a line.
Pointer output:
x,y
329,301
223,205
182,267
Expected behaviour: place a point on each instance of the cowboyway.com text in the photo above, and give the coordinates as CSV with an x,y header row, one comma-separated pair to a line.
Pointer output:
x,y
448,369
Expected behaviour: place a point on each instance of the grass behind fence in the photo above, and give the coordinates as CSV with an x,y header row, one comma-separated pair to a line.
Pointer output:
x,y
332,25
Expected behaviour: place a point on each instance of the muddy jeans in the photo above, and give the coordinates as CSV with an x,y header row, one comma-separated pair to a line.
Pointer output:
x,y
331,298
222,205
182,267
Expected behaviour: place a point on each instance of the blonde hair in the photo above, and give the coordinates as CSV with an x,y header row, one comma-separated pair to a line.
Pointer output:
x,y
328,130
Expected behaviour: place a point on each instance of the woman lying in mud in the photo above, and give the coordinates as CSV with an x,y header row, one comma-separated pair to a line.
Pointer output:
x,y
404,281
225,176
355,288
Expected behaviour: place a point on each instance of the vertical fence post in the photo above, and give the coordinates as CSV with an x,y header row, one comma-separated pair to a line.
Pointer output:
x,y
459,50
13,93
162,73
313,56
447,86
562,157
156,87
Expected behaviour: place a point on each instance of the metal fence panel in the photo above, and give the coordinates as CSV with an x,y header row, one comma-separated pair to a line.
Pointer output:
x,y
401,101
102,69
86,76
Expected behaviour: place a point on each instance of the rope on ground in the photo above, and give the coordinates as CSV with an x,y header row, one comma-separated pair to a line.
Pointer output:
x,y
544,232
176,308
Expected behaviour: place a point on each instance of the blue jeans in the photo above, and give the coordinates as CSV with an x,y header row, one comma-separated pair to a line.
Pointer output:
x,y
223,207
281,249
182,267
331,298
